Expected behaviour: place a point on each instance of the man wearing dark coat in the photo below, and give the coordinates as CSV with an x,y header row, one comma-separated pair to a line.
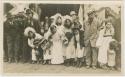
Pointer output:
x,y
13,31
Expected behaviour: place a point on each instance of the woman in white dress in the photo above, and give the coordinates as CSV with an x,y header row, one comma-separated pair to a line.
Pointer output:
x,y
56,48
107,32
69,41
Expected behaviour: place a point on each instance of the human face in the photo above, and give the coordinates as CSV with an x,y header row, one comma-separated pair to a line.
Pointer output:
x,y
108,25
74,16
59,20
53,30
30,15
68,23
91,16
31,34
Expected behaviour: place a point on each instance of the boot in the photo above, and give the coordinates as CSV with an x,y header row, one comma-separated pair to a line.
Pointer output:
x,y
72,62
68,63
65,62
77,63
44,62
49,62
80,63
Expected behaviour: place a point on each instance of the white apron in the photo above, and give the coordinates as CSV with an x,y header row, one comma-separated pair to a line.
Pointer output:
x,y
56,50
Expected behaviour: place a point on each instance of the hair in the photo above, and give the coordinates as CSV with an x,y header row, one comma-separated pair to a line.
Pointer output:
x,y
113,45
66,21
57,19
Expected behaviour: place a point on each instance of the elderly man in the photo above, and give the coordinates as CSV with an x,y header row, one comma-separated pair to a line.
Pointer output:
x,y
91,27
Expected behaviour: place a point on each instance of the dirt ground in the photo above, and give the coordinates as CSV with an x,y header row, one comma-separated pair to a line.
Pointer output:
x,y
39,69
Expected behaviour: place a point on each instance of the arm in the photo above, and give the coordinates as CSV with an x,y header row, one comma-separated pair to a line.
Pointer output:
x,y
30,43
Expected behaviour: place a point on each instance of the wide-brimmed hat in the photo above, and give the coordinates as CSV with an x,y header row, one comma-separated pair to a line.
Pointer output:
x,y
58,15
29,11
67,17
91,11
29,29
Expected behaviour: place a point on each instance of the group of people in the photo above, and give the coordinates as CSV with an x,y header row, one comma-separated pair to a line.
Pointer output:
x,y
60,40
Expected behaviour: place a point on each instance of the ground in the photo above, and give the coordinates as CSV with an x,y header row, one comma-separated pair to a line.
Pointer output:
x,y
36,69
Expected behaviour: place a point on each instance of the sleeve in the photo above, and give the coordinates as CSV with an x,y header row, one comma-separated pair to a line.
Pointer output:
x,y
46,36
112,31
62,33
84,26
99,24
30,43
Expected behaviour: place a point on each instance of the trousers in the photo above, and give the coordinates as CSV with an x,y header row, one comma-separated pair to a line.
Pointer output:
x,y
13,44
91,55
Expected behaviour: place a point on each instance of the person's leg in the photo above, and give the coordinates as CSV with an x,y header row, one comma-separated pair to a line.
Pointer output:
x,y
10,45
5,49
88,56
26,51
68,62
94,57
34,57
118,59
16,48
78,62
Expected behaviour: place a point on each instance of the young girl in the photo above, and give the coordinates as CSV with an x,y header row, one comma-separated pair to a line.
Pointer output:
x,y
79,44
105,38
46,52
56,48
69,41
113,48
34,40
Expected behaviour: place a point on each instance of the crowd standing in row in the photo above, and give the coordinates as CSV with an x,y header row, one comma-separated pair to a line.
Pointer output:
x,y
60,40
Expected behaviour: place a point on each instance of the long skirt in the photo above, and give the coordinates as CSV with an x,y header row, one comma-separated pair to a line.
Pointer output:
x,y
79,52
111,58
70,51
103,49
57,53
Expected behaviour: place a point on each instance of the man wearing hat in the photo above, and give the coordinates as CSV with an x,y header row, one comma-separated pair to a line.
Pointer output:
x,y
6,23
91,27
13,31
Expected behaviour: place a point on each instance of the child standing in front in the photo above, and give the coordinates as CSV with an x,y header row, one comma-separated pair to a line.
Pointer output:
x,y
46,45
34,40
113,48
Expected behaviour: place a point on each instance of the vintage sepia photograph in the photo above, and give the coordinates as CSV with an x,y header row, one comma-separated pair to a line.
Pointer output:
x,y
62,38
